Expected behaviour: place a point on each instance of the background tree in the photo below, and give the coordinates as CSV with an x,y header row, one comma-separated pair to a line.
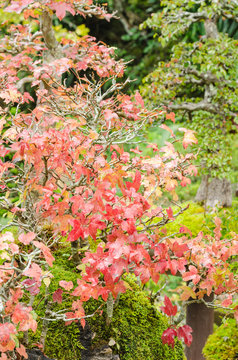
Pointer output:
x,y
199,83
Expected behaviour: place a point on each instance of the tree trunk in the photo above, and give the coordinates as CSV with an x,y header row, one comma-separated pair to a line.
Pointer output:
x,y
201,319
214,192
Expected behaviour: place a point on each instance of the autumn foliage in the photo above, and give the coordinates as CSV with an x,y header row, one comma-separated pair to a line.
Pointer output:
x,y
62,154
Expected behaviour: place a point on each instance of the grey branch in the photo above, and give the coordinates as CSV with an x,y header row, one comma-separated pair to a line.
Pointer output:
x,y
207,78
49,36
187,16
201,105
23,81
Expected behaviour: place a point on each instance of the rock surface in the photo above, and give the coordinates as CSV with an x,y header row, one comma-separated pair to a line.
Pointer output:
x,y
36,354
103,353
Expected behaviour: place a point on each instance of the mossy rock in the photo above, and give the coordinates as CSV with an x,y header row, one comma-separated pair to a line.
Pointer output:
x,y
223,343
136,327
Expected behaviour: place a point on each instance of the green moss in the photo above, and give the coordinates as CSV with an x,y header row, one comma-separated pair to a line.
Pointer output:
x,y
196,220
136,328
62,342
223,343
193,218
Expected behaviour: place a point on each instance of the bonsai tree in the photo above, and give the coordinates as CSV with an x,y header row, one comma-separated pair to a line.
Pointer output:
x,y
66,180
199,84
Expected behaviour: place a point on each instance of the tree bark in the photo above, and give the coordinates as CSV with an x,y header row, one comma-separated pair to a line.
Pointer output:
x,y
201,319
214,192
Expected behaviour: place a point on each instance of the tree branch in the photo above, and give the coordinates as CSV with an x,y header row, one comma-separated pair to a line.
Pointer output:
x,y
49,35
201,105
23,81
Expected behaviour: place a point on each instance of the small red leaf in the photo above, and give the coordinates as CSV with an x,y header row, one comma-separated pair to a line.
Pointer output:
x,y
139,99
46,252
168,336
227,302
185,333
185,230
67,285
57,296
169,309
170,213
34,271
136,183
165,127
192,274
27,238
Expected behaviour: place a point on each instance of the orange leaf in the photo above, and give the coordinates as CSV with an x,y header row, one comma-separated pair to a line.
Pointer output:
x,y
22,351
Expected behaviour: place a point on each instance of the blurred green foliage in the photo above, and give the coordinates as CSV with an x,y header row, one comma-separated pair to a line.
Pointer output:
x,y
196,219
223,343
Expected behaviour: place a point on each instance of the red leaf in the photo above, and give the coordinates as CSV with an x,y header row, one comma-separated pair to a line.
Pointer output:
x,y
170,213
27,238
4,357
169,309
77,231
217,230
34,271
168,336
83,322
46,252
179,249
67,285
192,274
6,343
185,230
228,301
57,296
32,286
136,183
17,6
185,181
61,8
208,285
185,333
110,115
20,314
